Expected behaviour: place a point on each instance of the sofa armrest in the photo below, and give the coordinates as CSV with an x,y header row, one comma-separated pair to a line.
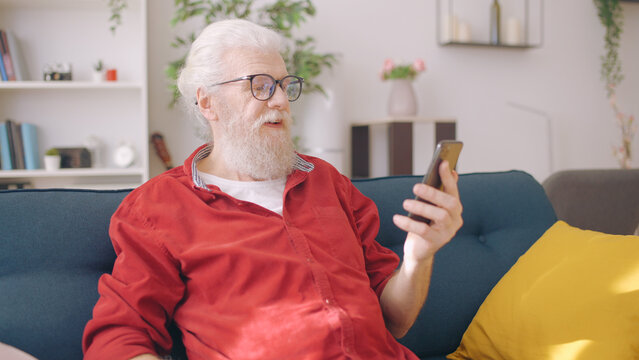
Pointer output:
x,y
605,200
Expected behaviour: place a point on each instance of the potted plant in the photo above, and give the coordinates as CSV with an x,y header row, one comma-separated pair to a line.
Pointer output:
x,y
611,17
52,159
283,16
402,100
98,71
116,7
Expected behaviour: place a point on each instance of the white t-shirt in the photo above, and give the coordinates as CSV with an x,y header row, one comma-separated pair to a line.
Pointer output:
x,y
268,194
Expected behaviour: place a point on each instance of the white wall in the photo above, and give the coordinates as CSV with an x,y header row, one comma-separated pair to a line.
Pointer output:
x,y
474,85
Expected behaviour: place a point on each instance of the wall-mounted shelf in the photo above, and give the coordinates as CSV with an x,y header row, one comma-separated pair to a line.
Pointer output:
x,y
468,23
478,44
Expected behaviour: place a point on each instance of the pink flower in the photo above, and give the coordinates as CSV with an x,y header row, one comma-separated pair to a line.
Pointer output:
x,y
388,65
419,65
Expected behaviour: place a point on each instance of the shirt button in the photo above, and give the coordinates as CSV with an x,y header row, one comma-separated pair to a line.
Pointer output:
x,y
327,301
309,260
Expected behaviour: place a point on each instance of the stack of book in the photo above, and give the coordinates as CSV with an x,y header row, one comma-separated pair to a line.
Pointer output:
x,y
11,63
18,146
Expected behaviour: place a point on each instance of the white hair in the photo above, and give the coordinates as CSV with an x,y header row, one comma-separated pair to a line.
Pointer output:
x,y
205,63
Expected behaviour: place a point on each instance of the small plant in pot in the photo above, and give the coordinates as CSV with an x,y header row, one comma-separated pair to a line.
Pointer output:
x,y
52,159
98,71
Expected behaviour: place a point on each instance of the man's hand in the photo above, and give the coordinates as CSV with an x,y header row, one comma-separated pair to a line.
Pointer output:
x,y
424,240
405,293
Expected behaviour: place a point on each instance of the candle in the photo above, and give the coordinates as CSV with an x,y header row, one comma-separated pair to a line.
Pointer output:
x,y
513,31
449,28
463,32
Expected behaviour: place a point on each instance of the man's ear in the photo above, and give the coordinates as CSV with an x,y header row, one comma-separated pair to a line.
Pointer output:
x,y
205,105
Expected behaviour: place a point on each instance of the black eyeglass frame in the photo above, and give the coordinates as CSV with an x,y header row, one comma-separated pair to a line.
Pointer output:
x,y
272,89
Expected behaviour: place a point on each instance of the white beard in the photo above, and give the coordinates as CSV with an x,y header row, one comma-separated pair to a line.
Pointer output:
x,y
262,154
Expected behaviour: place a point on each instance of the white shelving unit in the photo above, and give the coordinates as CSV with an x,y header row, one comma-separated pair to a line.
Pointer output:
x,y
67,113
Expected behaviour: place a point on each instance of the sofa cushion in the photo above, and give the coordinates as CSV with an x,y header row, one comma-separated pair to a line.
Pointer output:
x,y
504,213
54,248
574,294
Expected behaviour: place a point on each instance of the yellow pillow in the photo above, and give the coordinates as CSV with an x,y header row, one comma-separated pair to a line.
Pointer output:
x,y
573,295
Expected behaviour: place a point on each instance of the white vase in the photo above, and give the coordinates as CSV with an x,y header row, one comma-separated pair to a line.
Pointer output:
x,y
98,76
320,127
402,100
52,162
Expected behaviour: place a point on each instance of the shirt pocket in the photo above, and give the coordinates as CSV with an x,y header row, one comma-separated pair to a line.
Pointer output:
x,y
339,237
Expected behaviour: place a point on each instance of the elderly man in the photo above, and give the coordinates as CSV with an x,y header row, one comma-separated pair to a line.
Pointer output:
x,y
253,250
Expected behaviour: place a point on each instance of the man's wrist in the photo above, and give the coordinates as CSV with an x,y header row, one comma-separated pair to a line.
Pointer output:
x,y
416,266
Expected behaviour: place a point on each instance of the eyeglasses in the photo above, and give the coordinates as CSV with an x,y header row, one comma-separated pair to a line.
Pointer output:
x,y
263,86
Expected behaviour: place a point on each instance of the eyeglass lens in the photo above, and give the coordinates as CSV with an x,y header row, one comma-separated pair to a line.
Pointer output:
x,y
263,87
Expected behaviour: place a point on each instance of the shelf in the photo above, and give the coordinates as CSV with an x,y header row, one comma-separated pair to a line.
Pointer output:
x,y
68,113
480,44
49,85
87,178
401,119
469,22
57,4
80,172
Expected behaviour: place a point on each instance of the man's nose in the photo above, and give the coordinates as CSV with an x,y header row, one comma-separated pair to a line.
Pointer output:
x,y
279,100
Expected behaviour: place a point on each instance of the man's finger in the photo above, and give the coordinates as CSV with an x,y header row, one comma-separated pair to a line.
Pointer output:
x,y
433,195
449,180
425,210
409,225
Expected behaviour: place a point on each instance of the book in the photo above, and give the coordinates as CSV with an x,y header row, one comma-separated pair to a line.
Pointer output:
x,y
3,72
5,149
19,66
12,153
30,145
6,57
16,140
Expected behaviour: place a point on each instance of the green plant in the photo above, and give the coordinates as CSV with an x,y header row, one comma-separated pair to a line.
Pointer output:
x,y
52,152
611,16
116,7
406,71
283,16
99,66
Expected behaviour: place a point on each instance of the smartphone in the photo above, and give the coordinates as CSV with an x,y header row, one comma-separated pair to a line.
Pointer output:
x,y
446,150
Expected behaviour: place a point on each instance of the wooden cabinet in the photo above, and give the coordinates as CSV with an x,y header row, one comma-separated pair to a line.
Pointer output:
x,y
68,113
396,146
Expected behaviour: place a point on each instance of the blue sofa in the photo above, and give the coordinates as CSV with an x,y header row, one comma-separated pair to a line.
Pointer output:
x,y
55,245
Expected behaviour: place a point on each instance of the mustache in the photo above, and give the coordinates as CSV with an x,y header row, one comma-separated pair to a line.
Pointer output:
x,y
272,115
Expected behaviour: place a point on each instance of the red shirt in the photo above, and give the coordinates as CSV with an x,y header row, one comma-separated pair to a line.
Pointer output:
x,y
243,282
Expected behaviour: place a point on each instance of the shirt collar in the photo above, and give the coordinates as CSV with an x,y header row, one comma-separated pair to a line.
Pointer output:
x,y
204,151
